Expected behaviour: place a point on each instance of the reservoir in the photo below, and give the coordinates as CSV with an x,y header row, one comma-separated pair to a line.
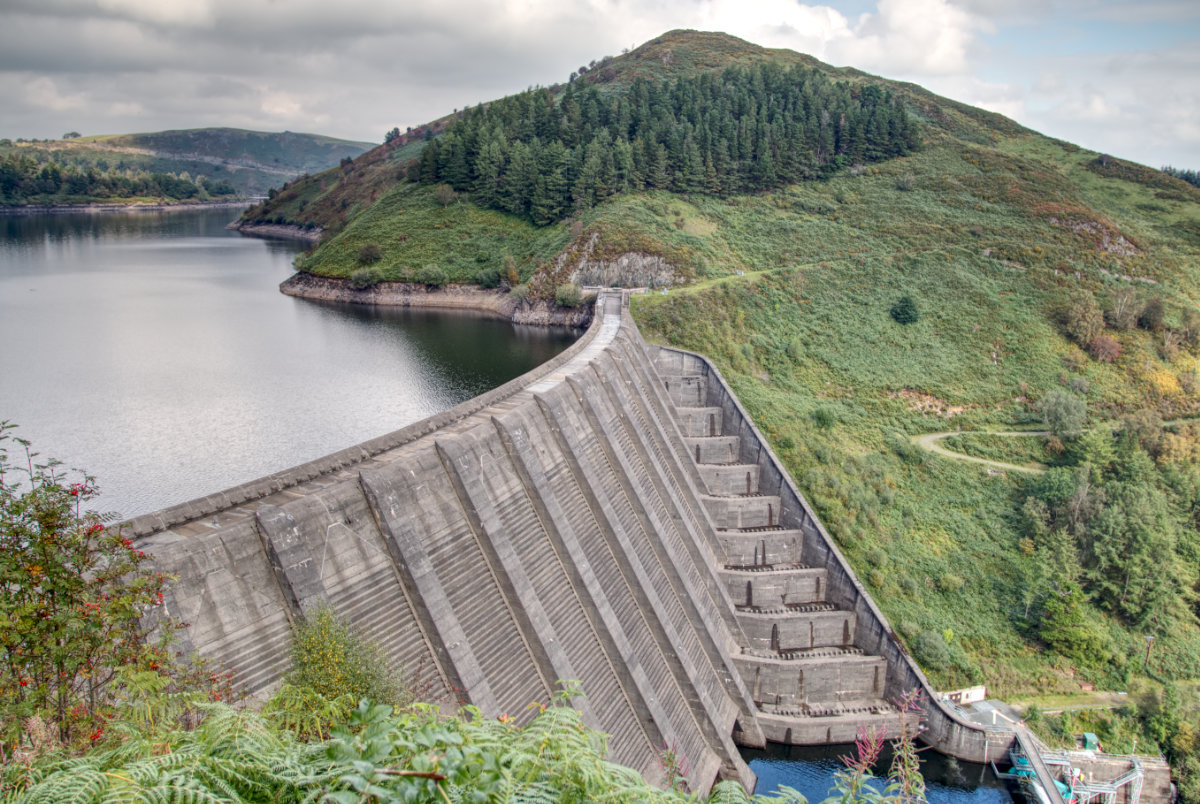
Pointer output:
x,y
155,351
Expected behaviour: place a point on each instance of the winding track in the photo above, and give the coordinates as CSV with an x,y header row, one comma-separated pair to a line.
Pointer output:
x,y
929,442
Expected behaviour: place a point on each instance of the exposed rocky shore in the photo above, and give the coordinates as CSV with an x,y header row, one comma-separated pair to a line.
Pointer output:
x,y
496,303
277,230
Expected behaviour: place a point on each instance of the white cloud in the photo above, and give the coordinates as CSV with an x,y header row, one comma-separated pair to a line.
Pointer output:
x,y
1010,100
1092,106
281,105
126,109
43,93
187,13
358,67
913,37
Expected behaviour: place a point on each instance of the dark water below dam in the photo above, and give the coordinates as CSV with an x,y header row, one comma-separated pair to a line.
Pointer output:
x,y
811,769
154,350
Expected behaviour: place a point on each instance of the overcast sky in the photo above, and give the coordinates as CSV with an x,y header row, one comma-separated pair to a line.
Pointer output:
x,y
1113,75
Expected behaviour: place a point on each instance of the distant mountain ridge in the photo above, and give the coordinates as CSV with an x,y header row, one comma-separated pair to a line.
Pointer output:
x,y
250,161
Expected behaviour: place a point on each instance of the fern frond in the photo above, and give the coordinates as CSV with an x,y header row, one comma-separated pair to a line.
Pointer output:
x,y
181,792
728,792
782,795
81,785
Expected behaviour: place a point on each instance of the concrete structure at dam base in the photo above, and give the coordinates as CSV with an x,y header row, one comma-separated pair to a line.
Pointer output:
x,y
612,517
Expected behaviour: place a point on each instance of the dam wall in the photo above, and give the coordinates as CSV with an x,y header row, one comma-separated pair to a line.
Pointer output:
x,y
612,517
872,635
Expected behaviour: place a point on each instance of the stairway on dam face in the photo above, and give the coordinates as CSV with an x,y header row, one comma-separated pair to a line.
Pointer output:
x,y
811,681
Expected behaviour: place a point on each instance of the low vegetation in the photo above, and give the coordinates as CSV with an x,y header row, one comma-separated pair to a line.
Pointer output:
x,y
25,180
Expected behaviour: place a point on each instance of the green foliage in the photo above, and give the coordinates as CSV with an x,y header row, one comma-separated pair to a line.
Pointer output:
x,y
931,651
26,180
795,350
825,417
74,595
1081,317
1132,543
1192,177
222,163
1067,628
364,278
541,157
488,278
370,254
307,713
412,229
374,753
230,756
568,294
431,275
445,194
1028,450
1064,413
1153,314
904,311
333,660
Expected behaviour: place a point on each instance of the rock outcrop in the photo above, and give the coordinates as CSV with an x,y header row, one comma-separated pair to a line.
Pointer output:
x,y
497,303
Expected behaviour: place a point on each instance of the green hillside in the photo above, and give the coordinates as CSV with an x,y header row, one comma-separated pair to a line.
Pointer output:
x,y
1047,286
233,161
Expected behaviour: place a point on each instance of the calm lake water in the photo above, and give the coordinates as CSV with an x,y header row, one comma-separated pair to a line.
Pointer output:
x,y
155,351
811,769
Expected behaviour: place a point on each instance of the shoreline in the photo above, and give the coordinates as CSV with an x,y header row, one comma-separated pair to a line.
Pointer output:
x,y
495,303
62,209
288,230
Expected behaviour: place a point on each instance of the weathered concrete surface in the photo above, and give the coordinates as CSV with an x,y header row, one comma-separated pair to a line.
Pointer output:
x,y
612,517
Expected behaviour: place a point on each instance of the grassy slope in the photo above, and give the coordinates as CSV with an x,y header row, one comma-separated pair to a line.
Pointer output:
x,y
414,231
972,243
791,297
253,161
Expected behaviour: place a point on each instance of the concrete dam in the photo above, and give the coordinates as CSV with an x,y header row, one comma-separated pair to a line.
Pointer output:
x,y
612,517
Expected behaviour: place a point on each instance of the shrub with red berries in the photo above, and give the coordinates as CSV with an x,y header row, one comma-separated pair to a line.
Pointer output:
x,y
77,601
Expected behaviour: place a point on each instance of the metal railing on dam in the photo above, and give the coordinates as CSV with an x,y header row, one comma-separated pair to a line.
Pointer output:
x,y
612,517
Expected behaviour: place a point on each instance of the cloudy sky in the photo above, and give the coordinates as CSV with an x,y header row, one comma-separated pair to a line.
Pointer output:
x,y
1113,75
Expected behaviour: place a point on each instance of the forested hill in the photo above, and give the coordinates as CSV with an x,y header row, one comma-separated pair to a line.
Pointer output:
x,y
689,112
541,157
175,165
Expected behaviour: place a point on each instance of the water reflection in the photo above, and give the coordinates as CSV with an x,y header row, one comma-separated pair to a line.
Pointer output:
x,y
155,350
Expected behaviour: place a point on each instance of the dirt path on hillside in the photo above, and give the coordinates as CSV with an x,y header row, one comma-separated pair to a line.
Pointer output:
x,y
929,442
